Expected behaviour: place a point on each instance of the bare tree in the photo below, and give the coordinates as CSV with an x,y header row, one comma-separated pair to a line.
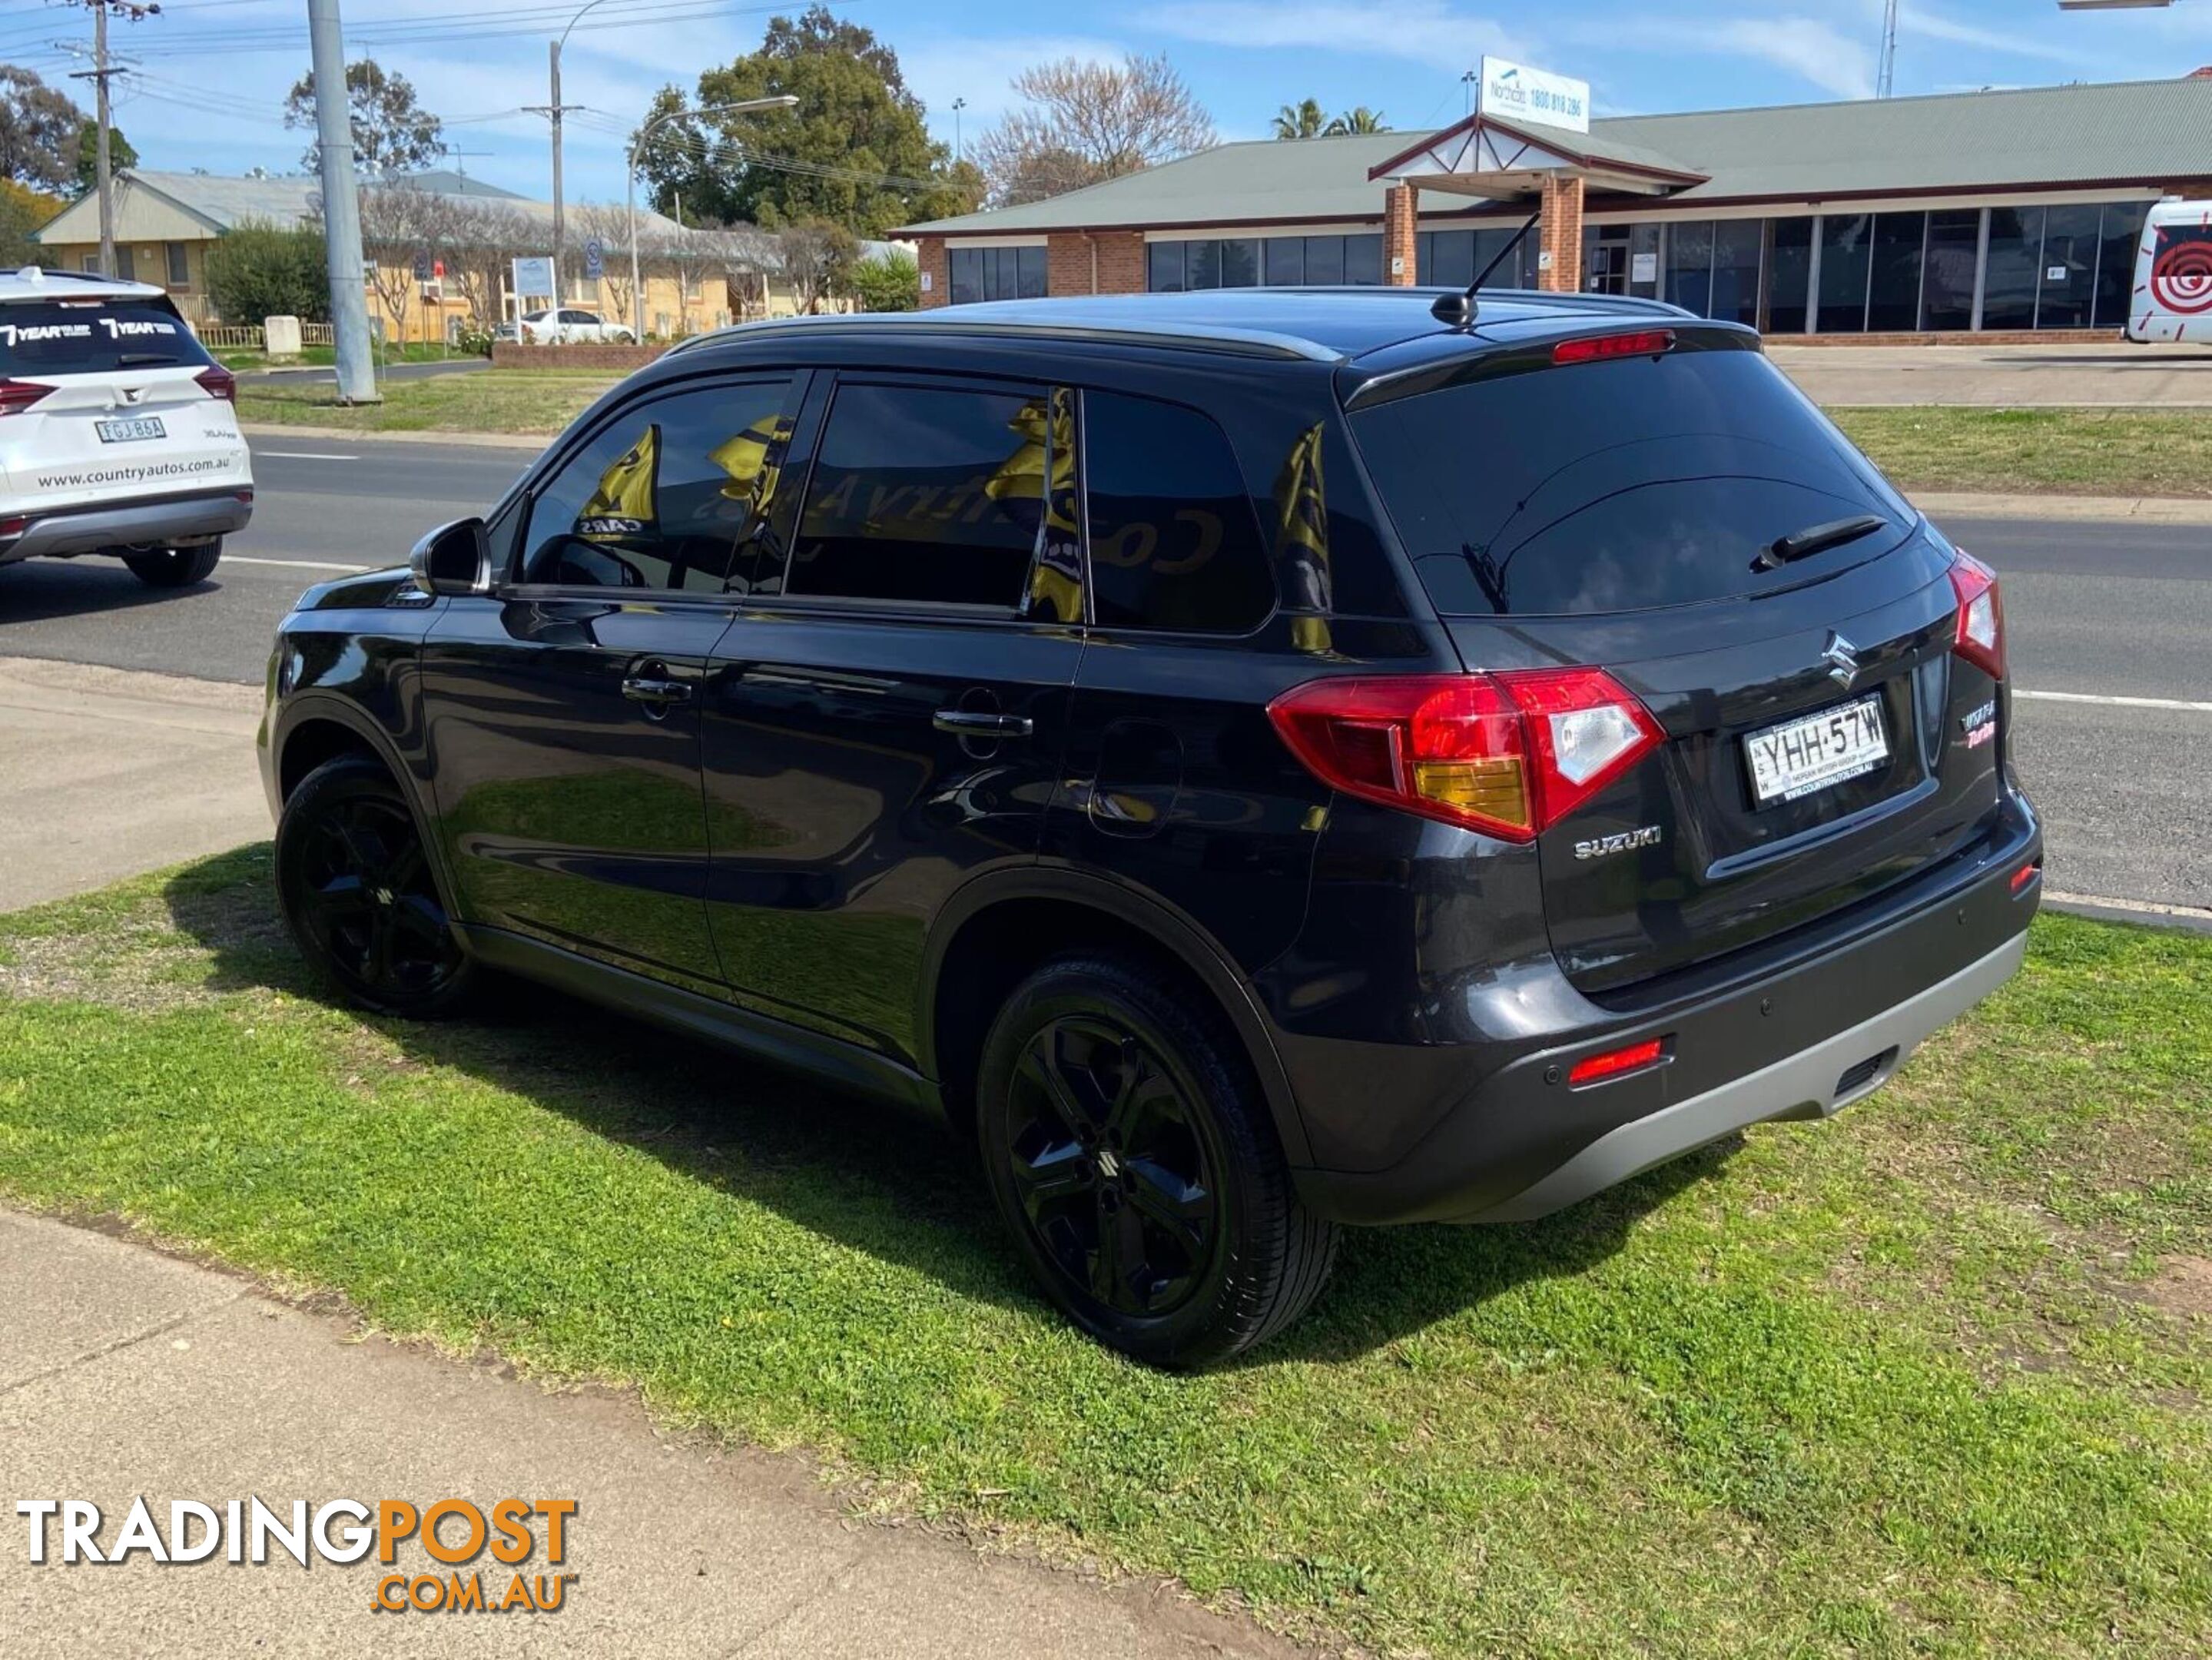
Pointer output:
x,y
816,255
611,225
1085,122
487,237
401,225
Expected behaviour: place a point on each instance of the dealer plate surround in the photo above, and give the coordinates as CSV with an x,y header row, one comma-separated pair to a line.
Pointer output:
x,y
1795,759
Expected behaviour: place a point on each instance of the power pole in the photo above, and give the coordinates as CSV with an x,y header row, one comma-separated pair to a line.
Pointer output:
x,y
98,75
959,149
553,113
356,367
1886,77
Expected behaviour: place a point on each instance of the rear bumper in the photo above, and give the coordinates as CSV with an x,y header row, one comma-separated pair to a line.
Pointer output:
x,y
166,522
1801,1036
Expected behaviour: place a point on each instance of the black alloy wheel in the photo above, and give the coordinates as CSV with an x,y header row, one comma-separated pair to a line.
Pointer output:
x,y
1134,1157
359,894
1116,1178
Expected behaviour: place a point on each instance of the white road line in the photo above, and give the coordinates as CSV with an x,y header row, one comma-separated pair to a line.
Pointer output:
x,y
305,455
292,564
2117,702
2143,907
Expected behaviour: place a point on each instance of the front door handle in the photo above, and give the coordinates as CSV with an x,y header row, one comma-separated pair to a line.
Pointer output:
x,y
982,723
647,689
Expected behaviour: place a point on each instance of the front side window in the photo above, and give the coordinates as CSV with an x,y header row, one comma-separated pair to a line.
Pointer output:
x,y
930,494
1174,542
674,494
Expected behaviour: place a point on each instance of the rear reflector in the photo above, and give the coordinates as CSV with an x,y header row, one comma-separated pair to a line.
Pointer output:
x,y
14,527
1590,349
1980,636
2025,874
16,396
219,383
1614,1063
1508,754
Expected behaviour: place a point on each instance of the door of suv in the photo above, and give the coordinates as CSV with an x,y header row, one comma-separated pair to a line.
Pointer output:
x,y
563,708
891,721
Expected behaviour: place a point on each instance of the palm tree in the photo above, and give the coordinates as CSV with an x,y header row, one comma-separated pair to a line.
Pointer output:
x,y
1362,119
1301,120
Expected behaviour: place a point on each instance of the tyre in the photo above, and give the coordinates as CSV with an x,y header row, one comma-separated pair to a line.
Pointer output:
x,y
1128,1148
174,568
356,887
625,339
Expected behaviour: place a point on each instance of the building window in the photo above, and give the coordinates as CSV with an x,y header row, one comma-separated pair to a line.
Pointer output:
x,y
2066,289
1788,274
995,273
1284,261
180,270
1240,262
125,267
1947,289
1899,254
1690,266
1165,267
2010,270
1846,247
2121,235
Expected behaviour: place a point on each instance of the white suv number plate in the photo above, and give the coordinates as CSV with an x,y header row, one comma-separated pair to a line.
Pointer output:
x,y
122,432
1816,750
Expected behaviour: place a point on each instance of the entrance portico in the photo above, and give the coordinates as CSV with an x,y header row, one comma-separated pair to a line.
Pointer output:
x,y
1497,159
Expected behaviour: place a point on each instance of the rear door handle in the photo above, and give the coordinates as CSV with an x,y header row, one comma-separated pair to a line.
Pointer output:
x,y
647,689
982,723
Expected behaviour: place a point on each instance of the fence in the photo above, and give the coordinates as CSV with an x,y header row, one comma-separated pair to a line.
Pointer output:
x,y
247,337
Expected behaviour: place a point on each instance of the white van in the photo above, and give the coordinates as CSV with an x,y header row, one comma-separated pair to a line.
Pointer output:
x,y
2172,299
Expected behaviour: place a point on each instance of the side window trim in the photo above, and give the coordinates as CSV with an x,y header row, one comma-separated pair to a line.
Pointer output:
x,y
798,384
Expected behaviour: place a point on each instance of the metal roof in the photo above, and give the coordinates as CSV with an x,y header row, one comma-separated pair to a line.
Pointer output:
x,y
2127,133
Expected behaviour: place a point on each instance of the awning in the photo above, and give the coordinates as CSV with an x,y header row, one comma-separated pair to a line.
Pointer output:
x,y
1498,160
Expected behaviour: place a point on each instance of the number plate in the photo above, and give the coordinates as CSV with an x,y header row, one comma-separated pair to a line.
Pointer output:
x,y
1816,750
122,432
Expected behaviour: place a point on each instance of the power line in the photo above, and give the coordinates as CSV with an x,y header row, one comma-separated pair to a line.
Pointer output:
x,y
480,26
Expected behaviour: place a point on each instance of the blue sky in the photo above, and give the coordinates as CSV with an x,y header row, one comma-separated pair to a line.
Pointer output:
x,y
211,74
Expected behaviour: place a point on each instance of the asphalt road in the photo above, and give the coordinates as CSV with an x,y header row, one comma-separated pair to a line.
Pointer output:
x,y
2096,612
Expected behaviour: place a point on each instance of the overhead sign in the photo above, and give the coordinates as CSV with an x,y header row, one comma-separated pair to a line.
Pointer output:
x,y
1515,92
595,259
534,277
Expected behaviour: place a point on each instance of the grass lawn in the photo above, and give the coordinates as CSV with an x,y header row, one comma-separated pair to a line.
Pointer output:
x,y
1929,1379
414,351
2067,452
488,400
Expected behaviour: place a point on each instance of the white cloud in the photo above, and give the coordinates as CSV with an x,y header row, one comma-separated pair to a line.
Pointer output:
x,y
1934,26
1808,48
1424,30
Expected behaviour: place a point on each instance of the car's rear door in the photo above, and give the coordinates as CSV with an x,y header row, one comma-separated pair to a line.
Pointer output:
x,y
563,708
111,399
1821,737
885,718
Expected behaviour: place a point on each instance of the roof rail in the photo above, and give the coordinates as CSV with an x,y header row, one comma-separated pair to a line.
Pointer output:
x,y
1245,342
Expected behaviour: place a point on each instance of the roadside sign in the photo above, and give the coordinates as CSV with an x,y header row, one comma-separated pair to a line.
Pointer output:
x,y
1514,91
533,276
422,265
595,259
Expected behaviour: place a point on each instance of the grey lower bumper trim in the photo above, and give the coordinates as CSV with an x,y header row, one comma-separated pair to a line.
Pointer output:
x,y
140,524
1804,1085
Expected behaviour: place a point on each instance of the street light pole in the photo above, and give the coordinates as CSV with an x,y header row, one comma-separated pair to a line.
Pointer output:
x,y
630,185
553,113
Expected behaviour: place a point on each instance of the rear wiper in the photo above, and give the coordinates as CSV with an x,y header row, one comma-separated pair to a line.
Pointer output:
x,y
125,358
1817,538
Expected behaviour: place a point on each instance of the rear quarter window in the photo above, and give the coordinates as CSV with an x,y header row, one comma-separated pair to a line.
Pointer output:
x,y
1618,485
87,337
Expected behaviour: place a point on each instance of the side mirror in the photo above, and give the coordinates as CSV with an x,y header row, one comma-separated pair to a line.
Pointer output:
x,y
453,558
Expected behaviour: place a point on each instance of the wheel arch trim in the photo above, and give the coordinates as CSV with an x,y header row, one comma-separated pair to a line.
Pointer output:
x,y
1175,932
309,706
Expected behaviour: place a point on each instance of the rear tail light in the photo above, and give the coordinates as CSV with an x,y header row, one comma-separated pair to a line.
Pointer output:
x,y
219,383
1980,638
1614,1063
1509,754
16,396
1594,348
11,528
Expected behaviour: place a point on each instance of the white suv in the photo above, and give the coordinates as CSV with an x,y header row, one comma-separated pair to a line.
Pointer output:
x,y
571,325
118,434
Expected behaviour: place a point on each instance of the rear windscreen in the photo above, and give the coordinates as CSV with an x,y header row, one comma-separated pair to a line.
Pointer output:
x,y
81,336
1618,485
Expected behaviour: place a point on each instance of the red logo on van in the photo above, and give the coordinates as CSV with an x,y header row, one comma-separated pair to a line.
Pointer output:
x,y
2181,270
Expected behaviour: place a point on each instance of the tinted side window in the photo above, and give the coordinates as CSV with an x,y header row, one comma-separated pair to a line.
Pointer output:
x,y
1174,543
669,495
934,495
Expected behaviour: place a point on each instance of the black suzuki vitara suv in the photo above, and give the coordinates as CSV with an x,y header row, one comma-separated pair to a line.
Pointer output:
x,y
1253,762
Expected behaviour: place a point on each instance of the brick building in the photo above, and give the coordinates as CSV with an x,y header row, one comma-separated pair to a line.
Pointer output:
x,y
2011,212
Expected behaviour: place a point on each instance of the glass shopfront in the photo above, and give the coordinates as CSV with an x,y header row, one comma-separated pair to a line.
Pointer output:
x,y
1250,262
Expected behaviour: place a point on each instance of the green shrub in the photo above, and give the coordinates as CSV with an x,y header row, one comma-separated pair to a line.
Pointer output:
x,y
258,271
889,281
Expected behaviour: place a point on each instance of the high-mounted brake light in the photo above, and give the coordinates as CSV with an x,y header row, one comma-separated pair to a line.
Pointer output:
x,y
1614,1063
1590,349
219,383
1509,754
16,396
1980,637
